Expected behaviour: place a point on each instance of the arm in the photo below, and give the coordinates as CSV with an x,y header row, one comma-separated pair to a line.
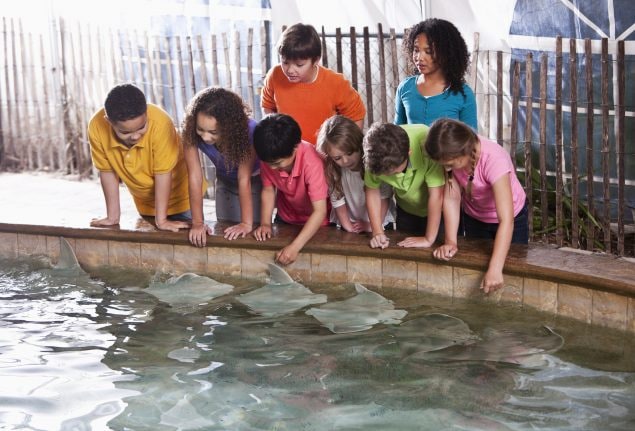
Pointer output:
x,y
110,186
451,216
267,202
162,189
244,197
373,206
493,279
199,230
345,220
289,254
435,204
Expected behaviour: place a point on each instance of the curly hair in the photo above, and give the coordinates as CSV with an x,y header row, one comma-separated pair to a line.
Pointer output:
x,y
125,102
231,115
386,146
342,133
448,49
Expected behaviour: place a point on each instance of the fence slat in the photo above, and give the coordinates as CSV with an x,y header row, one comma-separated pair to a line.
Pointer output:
x,y
170,84
354,81
620,146
237,68
606,223
368,78
542,155
228,71
250,69
575,188
190,56
529,115
325,54
201,61
499,97
558,140
588,58
338,49
382,73
215,80
513,142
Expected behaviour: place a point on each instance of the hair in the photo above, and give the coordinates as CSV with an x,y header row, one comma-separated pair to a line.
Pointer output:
x,y
342,133
125,102
231,114
300,41
448,49
275,137
448,139
386,146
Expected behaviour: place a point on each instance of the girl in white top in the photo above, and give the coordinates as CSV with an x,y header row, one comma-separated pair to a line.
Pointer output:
x,y
340,140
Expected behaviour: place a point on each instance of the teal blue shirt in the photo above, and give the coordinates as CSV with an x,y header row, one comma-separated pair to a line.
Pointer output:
x,y
412,108
411,187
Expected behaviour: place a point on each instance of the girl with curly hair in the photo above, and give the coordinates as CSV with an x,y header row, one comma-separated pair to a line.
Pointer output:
x,y
437,88
217,123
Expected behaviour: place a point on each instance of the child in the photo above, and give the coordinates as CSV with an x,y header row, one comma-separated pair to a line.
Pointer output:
x,y
340,140
136,142
300,87
296,170
437,89
216,123
484,184
394,155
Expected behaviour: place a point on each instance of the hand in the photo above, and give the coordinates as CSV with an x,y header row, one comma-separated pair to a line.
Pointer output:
x,y
352,227
99,222
198,234
171,225
445,252
492,281
287,255
262,232
237,231
416,241
379,240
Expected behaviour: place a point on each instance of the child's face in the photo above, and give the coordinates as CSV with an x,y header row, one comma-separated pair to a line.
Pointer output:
x,y
462,162
344,160
299,70
207,128
129,132
284,164
422,55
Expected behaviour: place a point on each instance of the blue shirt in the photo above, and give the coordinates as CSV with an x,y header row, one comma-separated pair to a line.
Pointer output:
x,y
413,108
222,171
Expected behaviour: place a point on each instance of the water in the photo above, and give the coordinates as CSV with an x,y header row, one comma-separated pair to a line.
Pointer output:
x,y
99,353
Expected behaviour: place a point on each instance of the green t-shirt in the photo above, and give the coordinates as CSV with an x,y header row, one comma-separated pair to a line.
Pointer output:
x,y
411,187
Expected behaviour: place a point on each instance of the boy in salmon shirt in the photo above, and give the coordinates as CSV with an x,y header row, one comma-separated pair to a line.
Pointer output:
x,y
295,169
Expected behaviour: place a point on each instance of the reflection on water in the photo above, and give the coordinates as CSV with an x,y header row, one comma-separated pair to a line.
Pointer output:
x,y
80,353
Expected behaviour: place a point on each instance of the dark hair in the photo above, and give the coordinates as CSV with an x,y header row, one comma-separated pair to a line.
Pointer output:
x,y
300,41
125,102
386,146
231,115
275,137
448,49
342,133
448,139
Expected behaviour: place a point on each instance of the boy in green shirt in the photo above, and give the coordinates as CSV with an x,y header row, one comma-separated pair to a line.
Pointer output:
x,y
394,155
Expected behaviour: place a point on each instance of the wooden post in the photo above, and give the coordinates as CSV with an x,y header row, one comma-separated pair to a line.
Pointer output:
x,y
515,107
9,150
499,97
228,72
382,73
529,170
202,61
325,54
573,82
369,78
606,147
190,56
215,80
250,70
394,55
168,59
152,94
544,207
354,82
180,76
237,66
158,73
620,145
49,121
588,58
338,49
558,138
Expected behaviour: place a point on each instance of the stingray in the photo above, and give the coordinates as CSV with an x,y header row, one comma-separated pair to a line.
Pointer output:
x,y
281,296
431,332
188,290
359,313
503,346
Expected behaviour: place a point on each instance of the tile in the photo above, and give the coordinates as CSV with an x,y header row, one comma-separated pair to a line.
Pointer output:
x,y
399,274
630,316
575,302
8,245
255,263
609,310
31,245
91,253
326,268
467,283
188,258
124,253
435,278
158,257
512,291
53,247
541,295
300,270
224,261
364,270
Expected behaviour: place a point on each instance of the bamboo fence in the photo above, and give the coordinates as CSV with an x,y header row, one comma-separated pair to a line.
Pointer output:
x,y
49,89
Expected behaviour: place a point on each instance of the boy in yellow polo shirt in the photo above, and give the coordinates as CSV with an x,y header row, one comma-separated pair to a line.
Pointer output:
x,y
136,142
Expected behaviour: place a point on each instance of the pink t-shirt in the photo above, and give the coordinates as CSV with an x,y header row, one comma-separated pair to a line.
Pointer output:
x,y
296,190
493,163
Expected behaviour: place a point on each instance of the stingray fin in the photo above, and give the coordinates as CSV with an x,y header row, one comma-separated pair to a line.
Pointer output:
x,y
279,275
67,259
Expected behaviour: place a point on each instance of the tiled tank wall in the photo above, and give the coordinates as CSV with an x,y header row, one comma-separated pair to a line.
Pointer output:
x,y
588,305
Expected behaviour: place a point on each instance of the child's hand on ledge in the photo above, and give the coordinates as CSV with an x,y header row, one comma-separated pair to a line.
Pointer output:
x,y
262,232
445,252
237,231
416,241
379,240
287,255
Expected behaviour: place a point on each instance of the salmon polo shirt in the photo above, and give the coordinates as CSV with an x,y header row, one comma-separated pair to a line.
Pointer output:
x,y
157,152
297,190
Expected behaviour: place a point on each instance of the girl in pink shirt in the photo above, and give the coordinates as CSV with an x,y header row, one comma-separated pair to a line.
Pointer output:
x,y
482,187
